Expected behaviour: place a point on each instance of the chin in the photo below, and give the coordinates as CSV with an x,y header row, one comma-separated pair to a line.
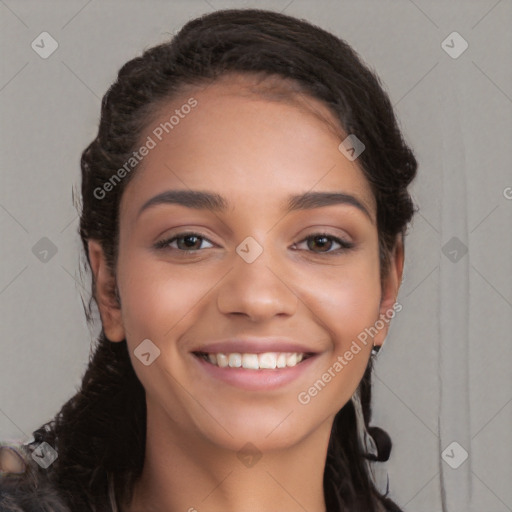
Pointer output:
x,y
264,435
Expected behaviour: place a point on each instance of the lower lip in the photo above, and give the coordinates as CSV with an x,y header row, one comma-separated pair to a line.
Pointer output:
x,y
256,380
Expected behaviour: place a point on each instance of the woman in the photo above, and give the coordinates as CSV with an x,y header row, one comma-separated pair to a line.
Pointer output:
x,y
244,207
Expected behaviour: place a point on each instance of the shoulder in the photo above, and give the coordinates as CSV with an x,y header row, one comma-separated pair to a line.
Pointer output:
x,y
23,486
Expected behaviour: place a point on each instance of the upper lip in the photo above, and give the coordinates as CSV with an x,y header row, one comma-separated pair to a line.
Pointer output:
x,y
253,346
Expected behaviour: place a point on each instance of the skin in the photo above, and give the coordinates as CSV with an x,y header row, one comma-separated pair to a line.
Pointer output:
x,y
254,152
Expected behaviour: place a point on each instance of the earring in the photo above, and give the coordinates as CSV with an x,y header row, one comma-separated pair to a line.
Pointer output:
x,y
376,349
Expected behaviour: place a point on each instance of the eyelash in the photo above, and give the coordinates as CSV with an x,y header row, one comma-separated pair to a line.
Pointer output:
x,y
164,244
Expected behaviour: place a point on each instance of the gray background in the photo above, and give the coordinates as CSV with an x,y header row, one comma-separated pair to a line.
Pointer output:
x,y
444,373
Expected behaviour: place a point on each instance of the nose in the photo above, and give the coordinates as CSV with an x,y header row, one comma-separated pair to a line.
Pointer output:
x,y
258,290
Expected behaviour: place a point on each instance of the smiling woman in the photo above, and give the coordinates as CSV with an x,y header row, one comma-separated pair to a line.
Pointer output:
x,y
246,271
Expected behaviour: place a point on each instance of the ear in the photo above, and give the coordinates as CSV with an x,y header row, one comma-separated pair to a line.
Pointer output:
x,y
390,288
108,305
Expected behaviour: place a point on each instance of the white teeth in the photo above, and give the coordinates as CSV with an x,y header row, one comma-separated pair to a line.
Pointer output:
x,y
235,360
291,360
250,361
222,360
281,360
267,360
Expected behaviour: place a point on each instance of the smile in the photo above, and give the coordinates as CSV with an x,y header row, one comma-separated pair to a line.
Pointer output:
x,y
264,361
265,371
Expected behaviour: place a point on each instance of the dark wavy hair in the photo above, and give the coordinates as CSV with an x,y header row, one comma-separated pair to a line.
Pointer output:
x,y
94,429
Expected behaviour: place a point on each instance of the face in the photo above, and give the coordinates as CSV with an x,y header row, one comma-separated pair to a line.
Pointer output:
x,y
254,277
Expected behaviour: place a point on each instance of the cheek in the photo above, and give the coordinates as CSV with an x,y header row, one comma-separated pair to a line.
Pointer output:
x,y
154,299
347,310
154,302
345,298
355,308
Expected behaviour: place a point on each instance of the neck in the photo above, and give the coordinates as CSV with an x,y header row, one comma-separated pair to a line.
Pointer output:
x,y
184,471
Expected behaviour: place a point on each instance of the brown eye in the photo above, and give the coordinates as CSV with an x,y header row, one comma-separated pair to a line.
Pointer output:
x,y
323,242
185,242
189,242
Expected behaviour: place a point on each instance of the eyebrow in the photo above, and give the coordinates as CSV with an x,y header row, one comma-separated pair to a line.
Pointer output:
x,y
211,201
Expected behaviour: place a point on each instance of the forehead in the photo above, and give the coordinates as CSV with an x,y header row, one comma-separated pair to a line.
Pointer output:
x,y
252,138
265,88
